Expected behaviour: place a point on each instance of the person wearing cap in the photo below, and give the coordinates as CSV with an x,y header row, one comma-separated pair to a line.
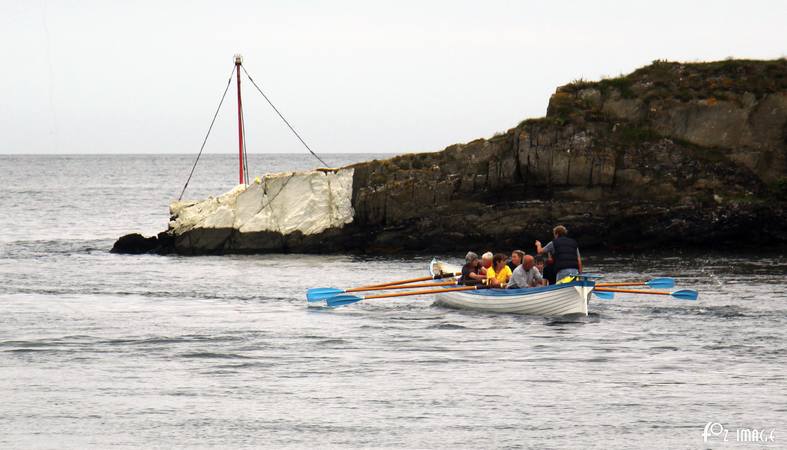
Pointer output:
x,y
471,271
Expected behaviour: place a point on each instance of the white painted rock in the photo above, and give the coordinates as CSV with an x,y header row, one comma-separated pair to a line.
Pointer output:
x,y
309,202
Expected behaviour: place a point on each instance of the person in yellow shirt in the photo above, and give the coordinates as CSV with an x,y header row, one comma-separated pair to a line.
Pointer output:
x,y
499,274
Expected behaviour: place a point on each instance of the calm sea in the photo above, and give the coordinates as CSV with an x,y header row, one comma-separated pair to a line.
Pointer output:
x,y
112,351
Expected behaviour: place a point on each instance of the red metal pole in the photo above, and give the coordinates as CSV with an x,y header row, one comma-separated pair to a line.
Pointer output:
x,y
238,61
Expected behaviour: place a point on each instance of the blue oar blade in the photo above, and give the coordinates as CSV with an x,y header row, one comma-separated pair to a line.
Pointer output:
x,y
604,295
319,294
661,283
685,294
341,300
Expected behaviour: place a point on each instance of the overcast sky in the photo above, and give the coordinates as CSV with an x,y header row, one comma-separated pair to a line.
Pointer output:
x,y
351,76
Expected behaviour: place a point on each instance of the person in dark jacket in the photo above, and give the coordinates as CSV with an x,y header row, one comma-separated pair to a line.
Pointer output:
x,y
565,251
471,271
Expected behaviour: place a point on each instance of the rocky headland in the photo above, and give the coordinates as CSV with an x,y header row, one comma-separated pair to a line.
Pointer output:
x,y
673,154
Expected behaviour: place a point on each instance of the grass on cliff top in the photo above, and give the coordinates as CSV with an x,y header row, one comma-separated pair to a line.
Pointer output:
x,y
686,81
622,83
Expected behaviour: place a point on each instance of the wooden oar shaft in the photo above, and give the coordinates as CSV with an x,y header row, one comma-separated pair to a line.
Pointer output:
x,y
428,291
401,286
633,291
640,283
393,283
411,280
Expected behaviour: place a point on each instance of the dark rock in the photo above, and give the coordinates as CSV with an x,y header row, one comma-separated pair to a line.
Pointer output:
x,y
136,244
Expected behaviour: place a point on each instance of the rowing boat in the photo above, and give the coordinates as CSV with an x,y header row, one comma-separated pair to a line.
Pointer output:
x,y
557,300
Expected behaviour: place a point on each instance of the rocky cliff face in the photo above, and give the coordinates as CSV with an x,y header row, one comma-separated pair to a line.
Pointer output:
x,y
672,154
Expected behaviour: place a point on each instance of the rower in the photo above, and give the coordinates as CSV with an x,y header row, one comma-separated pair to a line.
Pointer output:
x,y
471,271
565,251
486,262
526,275
516,259
499,274
540,265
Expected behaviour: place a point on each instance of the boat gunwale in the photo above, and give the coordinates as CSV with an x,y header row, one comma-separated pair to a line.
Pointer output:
x,y
501,292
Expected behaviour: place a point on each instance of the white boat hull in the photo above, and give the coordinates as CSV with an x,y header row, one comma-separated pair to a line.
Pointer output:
x,y
558,300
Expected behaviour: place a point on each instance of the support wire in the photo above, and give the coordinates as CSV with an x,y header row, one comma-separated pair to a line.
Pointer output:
x,y
204,141
282,118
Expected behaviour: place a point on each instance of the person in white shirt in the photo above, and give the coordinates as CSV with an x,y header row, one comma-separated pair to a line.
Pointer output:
x,y
526,275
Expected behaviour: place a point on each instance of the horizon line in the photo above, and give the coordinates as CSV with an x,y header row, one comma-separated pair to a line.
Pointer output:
x,y
204,154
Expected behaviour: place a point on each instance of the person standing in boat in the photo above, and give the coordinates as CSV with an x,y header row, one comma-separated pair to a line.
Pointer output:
x,y
565,251
499,274
471,271
516,259
526,275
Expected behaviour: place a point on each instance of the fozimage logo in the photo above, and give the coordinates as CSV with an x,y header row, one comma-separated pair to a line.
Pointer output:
x,y
717,431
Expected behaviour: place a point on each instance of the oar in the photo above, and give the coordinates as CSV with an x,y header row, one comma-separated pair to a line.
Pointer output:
x,y
685,294
656,283
413,280
319,294
604,295
341,300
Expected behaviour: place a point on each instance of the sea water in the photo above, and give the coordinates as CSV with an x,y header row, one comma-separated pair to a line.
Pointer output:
x,y
99,350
